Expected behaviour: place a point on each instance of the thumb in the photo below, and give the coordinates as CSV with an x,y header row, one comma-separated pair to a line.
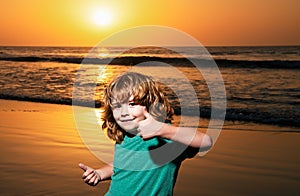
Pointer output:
x,y
82,166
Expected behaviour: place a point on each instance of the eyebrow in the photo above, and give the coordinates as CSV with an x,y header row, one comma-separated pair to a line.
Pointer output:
x,y
114,102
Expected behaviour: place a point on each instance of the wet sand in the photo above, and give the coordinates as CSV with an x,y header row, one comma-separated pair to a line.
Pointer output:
x,y
41,148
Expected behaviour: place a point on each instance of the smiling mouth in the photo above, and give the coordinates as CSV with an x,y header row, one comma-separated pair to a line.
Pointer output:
x,y
127,120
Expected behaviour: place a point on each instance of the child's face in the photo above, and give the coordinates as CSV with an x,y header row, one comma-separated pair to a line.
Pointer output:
x,y
128,115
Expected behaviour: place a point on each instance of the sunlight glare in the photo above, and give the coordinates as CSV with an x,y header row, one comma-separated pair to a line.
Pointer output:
x,y
103,52
102,17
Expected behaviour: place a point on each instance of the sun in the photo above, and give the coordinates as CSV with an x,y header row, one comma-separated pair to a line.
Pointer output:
x,y
102,16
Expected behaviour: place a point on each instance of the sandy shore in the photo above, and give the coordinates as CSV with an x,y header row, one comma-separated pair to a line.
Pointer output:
x,y
41,148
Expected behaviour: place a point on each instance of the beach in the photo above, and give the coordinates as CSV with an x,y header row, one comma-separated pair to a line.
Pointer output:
x,y
41,149
228,69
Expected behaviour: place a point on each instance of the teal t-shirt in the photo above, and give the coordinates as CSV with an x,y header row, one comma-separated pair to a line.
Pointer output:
x,y
146,167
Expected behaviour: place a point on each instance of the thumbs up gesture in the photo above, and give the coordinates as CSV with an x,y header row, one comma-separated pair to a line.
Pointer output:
x,y
149,127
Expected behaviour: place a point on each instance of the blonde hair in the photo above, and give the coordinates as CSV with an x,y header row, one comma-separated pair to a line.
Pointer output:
x,y
145,92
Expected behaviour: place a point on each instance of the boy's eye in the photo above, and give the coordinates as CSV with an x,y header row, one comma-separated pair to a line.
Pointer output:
x,y
131,104
116,106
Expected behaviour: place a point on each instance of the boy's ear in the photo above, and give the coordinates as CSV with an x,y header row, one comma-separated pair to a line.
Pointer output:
x,y
157,109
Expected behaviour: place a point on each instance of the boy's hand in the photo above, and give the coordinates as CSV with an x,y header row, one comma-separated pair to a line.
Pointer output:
x,y
149,127
90,176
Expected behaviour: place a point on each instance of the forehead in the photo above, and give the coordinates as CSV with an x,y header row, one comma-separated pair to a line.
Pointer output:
x,y
122,99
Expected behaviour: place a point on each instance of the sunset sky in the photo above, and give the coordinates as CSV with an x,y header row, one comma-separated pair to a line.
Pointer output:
x,y
87,22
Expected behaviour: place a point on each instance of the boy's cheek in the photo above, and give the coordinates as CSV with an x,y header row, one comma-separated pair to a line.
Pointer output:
x,y
116,114
138,113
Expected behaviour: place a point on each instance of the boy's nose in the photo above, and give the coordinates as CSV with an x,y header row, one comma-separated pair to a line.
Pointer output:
x,y
124,110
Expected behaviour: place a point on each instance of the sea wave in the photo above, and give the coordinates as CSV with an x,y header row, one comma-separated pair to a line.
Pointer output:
x,y
134,60
232,114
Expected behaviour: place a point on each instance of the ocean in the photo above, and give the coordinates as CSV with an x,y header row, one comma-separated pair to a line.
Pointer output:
x,y
262,83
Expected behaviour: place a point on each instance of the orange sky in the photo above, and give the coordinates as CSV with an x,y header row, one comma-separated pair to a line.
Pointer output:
x,y
213,22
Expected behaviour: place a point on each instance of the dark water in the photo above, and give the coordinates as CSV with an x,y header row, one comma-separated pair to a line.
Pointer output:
x,y
262,83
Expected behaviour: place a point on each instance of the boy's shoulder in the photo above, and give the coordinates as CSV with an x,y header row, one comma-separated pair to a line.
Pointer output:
x,y
138,144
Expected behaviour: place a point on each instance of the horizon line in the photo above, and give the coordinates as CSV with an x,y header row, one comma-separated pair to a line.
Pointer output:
x,y
254,45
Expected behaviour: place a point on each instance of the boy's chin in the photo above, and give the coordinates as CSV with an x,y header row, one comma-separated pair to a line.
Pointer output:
x,y
132,131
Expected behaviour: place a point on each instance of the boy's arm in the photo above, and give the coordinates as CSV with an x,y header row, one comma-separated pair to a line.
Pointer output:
x,y
94,176
149,128
186,135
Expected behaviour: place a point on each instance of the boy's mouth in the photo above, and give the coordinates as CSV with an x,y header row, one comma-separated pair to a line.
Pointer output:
x,y
127,120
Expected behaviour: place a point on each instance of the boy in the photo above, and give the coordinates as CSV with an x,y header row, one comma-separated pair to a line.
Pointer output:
x,y
148,150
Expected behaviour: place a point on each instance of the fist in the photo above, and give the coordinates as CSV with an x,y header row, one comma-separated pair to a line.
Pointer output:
x,y
90,176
